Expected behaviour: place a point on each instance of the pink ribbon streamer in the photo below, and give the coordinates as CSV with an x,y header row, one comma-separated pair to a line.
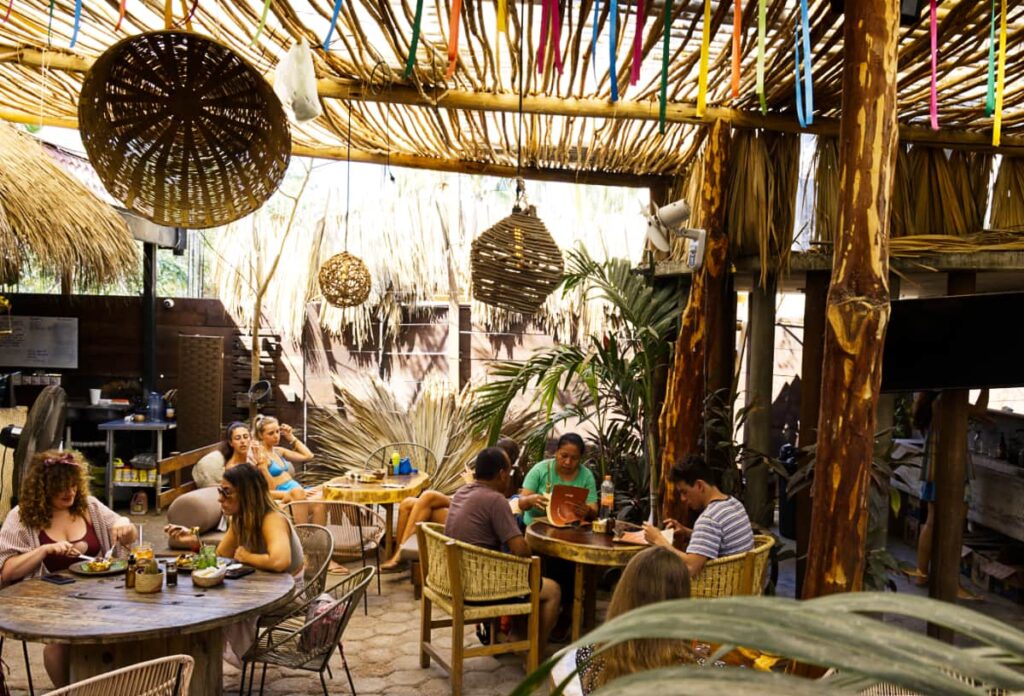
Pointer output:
x,y
550,23
634,73
934,107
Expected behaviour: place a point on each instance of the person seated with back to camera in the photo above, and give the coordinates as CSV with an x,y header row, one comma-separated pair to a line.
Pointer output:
x,y
480,515
432,506
722,529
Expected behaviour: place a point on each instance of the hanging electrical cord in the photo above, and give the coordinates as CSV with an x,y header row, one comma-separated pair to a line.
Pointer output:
x,y
348,172
386,80
520,184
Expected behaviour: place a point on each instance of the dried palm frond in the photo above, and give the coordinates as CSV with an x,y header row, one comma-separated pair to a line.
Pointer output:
x,y
971,172
689,189
937,203
901,215
826,186
1008,195
370,416
49,217
749,202
784,160
929,244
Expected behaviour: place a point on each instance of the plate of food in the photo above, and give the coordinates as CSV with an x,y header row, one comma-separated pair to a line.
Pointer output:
x,y
186,562
99,567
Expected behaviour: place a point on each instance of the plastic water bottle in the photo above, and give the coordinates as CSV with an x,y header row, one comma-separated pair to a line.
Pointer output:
x,y
607,498
395,463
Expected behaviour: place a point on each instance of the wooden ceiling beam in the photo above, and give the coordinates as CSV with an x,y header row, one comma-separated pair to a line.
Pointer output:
x,y
413,161
676,112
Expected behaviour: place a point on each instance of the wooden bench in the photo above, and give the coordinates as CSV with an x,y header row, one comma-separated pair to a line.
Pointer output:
x,y
176,468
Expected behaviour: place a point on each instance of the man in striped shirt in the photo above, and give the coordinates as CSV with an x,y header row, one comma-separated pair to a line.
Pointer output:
x,y
723,527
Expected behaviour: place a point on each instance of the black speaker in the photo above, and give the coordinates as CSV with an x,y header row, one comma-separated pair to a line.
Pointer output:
x,y
910,10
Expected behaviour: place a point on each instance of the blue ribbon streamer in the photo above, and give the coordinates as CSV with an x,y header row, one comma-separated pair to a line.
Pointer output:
x,y
334,20
78,21
808,80
593,37
613,34
796,69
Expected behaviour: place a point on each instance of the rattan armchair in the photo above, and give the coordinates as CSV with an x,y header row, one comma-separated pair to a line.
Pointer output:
x,y
166,676
317,548
356,530
739,574
301,641
474,585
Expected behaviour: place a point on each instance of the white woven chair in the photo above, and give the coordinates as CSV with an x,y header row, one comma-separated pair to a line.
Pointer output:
x,y
166,676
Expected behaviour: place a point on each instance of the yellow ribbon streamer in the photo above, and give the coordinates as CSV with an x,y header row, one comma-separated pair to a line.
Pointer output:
x,y
997,124
705,41
502,29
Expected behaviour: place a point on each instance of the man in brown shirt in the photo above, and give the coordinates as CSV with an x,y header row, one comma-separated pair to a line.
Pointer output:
x,y
480,515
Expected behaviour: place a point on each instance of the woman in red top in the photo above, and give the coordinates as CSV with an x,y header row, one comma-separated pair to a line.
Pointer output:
x,y
56,521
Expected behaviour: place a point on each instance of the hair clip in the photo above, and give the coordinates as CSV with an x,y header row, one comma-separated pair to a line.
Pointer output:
x,y
66,458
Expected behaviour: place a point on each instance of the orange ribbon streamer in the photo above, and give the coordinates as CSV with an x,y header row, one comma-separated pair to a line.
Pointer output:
x,y
453,38
737,36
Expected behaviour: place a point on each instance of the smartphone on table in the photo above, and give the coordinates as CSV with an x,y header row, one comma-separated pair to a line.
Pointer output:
x,y
58,579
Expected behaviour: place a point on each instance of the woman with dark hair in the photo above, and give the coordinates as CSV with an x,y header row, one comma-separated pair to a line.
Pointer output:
x,y
564,469
432,506
55,521
234,449
259,535
653,575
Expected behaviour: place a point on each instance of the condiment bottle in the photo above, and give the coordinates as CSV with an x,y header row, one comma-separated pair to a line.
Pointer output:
x,y
129,578
172,573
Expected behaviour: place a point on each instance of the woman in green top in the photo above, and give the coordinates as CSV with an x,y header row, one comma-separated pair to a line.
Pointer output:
x,y
563,470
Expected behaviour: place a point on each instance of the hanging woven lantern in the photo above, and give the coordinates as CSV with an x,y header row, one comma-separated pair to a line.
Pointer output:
x,y
516,264
182,130
344,280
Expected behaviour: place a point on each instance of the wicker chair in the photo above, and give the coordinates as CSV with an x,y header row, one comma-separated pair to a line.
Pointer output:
x,y
356,529
317,549
739,574
422,457
474,585
301,641
166,676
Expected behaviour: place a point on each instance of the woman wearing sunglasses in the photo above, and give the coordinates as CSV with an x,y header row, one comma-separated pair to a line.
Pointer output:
x,y
259,535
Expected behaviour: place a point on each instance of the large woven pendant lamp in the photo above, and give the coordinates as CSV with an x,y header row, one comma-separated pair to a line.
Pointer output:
x,y
182,130
344,278
516,264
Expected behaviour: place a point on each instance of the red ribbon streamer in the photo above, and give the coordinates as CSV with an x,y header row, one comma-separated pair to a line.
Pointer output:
x,y
551,23
934,106
737,36
641,15
453,38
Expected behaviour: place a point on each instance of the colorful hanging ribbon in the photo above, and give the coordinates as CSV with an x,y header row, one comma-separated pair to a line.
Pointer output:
x,y
411,60
737,37
263,22
804,96
120,14
638,49
761,12
502,29
702,79
934,100
663,105
334,20
189,14
997,124
8,15
49,24
78,22
593,37
550,26
990,94
613,33
453,38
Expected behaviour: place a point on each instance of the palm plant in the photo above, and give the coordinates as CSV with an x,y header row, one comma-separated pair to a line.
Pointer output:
x,y
610,378
844,633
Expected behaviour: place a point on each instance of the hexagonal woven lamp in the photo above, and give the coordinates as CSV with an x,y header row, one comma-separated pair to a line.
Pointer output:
x,y
344,280
182,130
516,264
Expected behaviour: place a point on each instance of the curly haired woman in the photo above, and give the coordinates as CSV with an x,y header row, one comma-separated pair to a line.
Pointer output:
x,y
55,522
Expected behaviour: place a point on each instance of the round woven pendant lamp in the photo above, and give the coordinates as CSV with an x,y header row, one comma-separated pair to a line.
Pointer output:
x,y
516,264
182,130
344,280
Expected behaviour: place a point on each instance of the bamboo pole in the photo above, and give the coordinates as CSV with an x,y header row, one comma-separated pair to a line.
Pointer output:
x,y
682,414
676,112
858,300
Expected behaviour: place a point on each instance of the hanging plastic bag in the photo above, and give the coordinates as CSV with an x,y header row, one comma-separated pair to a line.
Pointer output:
x,y
295,83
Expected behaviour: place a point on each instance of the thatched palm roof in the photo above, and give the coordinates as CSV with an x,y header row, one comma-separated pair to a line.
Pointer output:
x,y
573,128
50,219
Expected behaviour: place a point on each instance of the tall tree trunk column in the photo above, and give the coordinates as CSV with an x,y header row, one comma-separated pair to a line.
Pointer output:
x,y
858,300
760,376
682,414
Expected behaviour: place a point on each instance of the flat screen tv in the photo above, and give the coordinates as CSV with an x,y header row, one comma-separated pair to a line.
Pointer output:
x,y
959,342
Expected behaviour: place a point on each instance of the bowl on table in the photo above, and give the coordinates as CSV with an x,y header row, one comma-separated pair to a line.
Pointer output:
x,y
208,577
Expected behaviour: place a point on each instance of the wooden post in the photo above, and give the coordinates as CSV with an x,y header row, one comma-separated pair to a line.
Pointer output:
x,y
950,469
757,433
858,300
682,414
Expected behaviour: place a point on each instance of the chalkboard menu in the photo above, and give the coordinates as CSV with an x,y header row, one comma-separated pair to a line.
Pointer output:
x,y
40,342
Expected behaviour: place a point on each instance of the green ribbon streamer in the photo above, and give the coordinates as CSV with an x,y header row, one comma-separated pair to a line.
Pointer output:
x,y
663,106
990,97
411,60
761,12
263,20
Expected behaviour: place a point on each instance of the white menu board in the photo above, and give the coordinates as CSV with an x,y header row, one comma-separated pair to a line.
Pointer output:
x,y
39,342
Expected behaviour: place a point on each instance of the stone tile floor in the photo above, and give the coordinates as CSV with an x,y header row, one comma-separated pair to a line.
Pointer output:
x,y
383,654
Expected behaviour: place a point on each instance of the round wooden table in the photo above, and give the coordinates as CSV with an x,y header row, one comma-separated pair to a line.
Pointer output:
x,y
110,627
585,549
393,490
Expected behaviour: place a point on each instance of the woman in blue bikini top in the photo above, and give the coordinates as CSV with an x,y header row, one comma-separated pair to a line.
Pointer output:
x,y
272,461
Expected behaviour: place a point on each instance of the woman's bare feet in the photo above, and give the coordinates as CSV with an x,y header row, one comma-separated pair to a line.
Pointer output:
x,y
395,565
